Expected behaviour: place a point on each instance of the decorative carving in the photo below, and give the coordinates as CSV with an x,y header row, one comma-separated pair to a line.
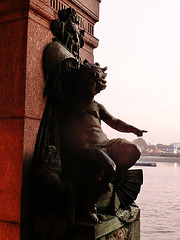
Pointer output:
x,y
74,162
83,23
90,29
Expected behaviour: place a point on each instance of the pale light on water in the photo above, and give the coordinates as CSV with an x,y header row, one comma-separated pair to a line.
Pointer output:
x,y
175,164
159,201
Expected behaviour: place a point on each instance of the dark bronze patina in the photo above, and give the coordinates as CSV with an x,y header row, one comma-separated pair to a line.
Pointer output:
x,y
74,161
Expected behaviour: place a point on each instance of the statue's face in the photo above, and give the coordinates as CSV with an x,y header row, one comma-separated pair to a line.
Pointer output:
x,y
74,37
91,80
100,81
66,30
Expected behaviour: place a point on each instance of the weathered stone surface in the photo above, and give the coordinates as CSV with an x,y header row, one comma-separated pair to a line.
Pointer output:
x,y
90,7
84,231
112,229
12,64
134,230
127,232
30,132
38,36
13,28
9,231
11,155
119,234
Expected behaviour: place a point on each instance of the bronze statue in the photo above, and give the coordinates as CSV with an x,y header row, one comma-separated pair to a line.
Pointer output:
x,y
72,152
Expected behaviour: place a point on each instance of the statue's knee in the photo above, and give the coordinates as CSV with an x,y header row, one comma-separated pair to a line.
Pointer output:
x,y
137,152
107,164
111,170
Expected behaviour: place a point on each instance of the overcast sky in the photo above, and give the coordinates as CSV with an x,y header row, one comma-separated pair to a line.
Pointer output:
x,y
139,42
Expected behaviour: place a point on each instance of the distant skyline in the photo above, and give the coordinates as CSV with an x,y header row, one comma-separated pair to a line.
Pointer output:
x,y
139,42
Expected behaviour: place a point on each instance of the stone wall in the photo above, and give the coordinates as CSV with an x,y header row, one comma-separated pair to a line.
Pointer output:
x,y
24,27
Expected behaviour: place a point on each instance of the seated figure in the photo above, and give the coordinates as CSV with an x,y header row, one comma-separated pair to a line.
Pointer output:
x,y
71,144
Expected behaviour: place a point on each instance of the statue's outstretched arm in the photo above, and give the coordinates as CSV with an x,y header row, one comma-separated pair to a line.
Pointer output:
x,y
118,124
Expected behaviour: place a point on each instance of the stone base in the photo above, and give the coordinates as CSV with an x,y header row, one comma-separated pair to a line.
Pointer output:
x,y
110,229
130,231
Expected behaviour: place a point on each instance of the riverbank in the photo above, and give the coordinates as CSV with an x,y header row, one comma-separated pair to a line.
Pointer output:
x,y
162,154
159,159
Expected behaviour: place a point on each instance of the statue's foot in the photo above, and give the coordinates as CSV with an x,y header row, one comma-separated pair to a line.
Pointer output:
x,y
88,218
102,217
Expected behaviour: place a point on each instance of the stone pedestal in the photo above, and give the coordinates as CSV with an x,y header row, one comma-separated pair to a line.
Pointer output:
x,y
24,28
111,229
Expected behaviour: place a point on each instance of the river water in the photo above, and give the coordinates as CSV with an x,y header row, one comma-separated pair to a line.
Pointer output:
x,y
159,199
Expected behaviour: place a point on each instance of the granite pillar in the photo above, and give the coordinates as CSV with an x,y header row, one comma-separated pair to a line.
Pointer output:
x,y
24,27
13,28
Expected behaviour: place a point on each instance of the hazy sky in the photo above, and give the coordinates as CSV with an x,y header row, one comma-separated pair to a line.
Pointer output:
x,y
140,45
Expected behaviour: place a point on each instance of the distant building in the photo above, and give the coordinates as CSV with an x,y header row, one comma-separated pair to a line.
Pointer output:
x,y
176,148
165,148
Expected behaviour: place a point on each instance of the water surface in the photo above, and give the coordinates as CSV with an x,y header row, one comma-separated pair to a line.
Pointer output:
x,y
159,200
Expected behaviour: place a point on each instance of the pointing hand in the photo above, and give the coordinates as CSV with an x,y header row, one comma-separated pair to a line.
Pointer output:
x,y
140,133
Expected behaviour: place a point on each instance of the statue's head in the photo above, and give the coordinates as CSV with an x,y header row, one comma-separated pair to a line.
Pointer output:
x,y
91,80
99,76
66,30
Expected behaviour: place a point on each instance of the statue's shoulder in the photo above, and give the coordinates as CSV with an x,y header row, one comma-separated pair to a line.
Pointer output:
x,y
95,104
99,105
54,53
